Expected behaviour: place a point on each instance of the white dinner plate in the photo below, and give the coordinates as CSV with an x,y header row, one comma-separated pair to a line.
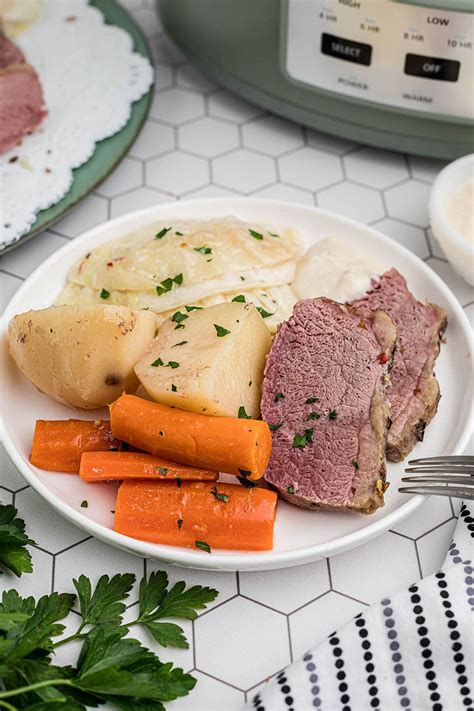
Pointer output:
x,y
300,536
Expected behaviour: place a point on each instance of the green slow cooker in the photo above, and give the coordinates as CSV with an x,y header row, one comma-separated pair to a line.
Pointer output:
x,y
395,74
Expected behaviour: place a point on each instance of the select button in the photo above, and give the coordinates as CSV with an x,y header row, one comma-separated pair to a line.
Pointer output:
x,y
432,67
346,49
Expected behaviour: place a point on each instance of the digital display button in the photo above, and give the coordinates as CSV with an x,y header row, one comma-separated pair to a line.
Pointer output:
x,y
432,67
346,49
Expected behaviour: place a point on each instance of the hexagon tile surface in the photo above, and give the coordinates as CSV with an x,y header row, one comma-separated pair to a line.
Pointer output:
x,y
202,141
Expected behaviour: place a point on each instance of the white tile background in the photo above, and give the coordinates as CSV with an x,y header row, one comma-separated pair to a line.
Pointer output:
x,y
199,140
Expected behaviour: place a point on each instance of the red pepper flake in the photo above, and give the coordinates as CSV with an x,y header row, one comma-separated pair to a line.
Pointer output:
x,y
70,18
110,264
13,159
416,391
382,358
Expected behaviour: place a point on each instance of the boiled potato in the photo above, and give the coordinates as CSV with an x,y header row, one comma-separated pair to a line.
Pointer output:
x,y
82,356
209,361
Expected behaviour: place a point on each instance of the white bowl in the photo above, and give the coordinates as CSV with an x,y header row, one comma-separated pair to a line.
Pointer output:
x,y
457,249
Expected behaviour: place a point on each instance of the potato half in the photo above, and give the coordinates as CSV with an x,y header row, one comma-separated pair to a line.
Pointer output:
x,y
82,356
209,361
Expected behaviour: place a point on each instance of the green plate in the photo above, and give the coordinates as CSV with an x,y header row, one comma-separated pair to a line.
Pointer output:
x,y
110,151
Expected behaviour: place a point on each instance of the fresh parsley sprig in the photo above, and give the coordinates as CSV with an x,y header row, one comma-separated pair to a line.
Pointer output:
x,y
13,539
111,667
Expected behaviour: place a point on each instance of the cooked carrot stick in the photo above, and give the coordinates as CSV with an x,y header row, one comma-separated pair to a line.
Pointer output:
x,y
58,444
228,444
196,514
108,466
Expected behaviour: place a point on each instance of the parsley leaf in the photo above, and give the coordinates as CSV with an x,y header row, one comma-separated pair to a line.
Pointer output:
x,y
203,546
163,232
174,389
247,483
218,495
313,416
242,415
263,313
311,400
221,331
156,363
181,343
177,317
104,605
192,308
240,298
256,235
173,364
278,396
274,428
203,250
13,539
333,415
104,294
301,440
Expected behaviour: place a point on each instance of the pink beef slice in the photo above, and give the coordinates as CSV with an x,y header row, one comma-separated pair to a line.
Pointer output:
x,y
22,107
324,397
9,53
414,393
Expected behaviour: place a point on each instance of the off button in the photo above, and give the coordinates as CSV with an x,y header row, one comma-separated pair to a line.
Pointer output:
x,y
432,67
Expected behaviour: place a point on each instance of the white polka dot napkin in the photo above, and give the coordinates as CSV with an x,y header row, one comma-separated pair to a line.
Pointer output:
x,y
412,651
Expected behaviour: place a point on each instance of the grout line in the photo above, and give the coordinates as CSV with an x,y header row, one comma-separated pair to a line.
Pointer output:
x,y
418,560
434,528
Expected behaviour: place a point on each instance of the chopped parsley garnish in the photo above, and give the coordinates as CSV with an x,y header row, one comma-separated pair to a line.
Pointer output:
x,y
162,470
173,364
242,415
84,504
180,234
242,278
333,415
203,250
245,472
311,400
174,389
157,363
104,294
290,489
221,332
181,343
313,416
278,396
240,298
192,308
256,235
301,440
273,234
247,483
203,546
179,481
177,317
274,428
263,313
180,325
167,284
163,232
179,522
355,464
218,495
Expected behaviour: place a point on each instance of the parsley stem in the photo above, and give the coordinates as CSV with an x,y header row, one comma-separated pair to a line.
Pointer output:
x,y
6,705
77,635
39,685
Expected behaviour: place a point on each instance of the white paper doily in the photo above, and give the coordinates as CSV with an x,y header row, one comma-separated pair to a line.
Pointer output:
x,y
90,76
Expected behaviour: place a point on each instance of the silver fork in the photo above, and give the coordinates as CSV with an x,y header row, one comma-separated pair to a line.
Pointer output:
x,y
441,476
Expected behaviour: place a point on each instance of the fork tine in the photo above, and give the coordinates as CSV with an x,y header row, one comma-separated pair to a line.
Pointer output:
x,y
450,479
455,491
444,469
465,459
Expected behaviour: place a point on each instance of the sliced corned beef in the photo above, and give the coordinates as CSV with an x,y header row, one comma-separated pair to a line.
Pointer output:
x,y
9,53
414,393
324,397
22,106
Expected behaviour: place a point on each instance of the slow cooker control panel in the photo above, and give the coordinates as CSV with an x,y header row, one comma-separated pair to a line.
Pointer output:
x,y
385,52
